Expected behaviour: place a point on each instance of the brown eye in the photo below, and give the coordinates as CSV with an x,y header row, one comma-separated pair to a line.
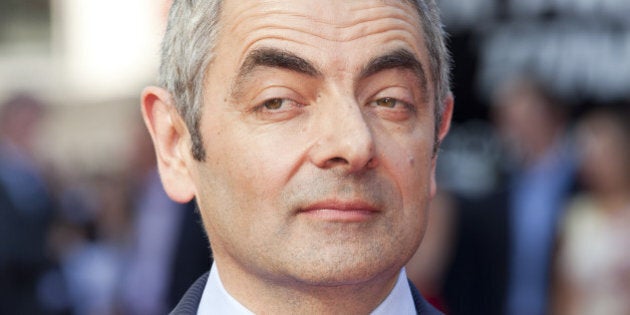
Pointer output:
x,y
386,102
273,104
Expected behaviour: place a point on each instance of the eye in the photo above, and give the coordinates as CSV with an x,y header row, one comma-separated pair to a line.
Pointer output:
x,y
391,108
386,102
278,108
274,104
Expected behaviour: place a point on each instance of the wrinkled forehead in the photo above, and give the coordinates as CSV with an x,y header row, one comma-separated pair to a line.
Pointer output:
x,y
354,28
332,11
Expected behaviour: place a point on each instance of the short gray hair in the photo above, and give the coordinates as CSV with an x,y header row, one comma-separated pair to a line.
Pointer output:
x,y
188,49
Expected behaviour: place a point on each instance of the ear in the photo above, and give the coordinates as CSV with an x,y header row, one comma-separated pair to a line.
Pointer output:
x,y
171,140
445,125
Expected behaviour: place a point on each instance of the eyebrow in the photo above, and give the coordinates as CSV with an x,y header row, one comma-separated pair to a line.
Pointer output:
x,y
397,59
281,59
276,58
272,58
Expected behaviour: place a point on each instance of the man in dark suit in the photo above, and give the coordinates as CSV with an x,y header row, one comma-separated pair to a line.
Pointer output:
x,y
26,206
505,241
307,132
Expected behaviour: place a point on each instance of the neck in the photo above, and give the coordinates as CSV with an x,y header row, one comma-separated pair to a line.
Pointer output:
x,y
266,295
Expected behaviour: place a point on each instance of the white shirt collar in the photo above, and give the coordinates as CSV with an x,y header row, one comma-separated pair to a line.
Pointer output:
x,y
216,300
400,300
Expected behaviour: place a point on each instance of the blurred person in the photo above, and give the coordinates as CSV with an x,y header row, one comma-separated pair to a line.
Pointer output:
x,y
90,240
504,243
533,124
309,145
26,205
593,264
169,250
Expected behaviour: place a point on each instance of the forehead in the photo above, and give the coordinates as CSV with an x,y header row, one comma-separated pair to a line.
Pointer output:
x,y
323,28
338,13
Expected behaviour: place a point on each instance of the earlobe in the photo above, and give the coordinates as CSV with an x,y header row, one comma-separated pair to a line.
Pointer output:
x,y
171,141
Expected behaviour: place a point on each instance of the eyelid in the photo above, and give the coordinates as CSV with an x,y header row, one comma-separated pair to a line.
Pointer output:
x,y
261,105
288,109
276,92
399,103
401,94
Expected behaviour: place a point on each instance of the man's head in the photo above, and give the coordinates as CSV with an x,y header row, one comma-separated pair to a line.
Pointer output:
x,y
190,40
314,160
20,117
528,117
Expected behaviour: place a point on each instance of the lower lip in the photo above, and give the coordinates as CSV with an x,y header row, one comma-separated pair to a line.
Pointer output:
x,y
334,215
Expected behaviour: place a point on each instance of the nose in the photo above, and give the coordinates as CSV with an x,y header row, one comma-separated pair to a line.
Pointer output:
x,y
344,139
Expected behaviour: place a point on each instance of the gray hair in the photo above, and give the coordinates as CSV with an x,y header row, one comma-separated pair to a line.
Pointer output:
x,y
188,49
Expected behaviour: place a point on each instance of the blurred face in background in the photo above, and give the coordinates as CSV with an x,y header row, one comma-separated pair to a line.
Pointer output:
x,y
605,152
319,132
524,119
20,121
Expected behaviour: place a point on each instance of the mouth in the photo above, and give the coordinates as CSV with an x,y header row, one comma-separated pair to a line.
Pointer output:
x,y
340,211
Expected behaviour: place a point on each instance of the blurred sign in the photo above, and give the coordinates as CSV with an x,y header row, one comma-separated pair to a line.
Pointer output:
x,y
612,9
581,48
459,14
575,61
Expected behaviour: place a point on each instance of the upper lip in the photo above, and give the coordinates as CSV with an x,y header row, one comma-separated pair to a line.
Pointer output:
x,y
341,205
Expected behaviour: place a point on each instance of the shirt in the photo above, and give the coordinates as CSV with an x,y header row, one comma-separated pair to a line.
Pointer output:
x,y
216,300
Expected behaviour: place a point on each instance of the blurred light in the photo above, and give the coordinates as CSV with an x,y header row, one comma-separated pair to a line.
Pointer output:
x,y
108,48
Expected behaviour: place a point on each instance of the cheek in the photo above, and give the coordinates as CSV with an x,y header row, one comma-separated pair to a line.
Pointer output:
x,y
410,163
250,166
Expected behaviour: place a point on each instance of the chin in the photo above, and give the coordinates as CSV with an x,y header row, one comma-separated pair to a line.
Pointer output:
x,y
343,270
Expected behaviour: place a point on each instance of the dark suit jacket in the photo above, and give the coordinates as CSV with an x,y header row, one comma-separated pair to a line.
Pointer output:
x,y
189,304
22,249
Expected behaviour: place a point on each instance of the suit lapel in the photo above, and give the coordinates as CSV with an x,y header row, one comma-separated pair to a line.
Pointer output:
x,y
189,303
422,306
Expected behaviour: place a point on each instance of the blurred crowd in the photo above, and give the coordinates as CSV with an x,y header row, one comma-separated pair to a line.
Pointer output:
x,y
543,229
89,243
550,234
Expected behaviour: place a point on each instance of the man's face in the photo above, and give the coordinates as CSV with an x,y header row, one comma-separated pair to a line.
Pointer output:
x,y
318,124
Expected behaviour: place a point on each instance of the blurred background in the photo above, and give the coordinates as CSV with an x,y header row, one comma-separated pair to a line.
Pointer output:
x,y
532,216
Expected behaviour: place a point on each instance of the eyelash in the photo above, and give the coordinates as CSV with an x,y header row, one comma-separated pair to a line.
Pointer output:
x,y
279,103
395,101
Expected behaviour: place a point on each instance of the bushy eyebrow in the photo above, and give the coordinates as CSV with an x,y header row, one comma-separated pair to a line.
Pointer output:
x,y
397,59
272,58
276,58
281,59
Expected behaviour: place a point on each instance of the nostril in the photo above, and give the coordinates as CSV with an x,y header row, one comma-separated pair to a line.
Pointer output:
x,y
372,163
338,160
